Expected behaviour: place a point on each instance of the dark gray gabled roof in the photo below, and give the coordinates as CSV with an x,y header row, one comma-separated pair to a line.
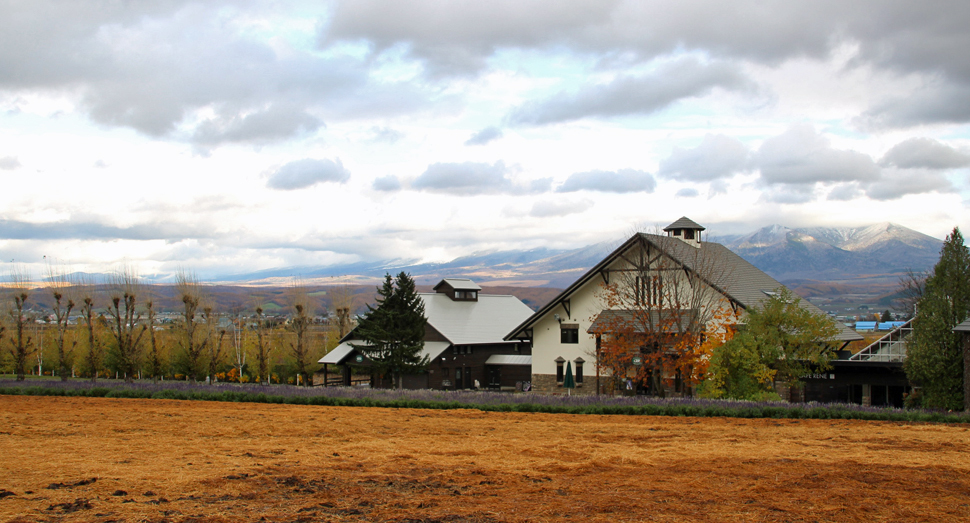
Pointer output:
x,y
963,327
683,223
735,278
459,284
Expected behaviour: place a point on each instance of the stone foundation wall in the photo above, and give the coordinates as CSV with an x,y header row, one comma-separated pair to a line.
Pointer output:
x,y
546,384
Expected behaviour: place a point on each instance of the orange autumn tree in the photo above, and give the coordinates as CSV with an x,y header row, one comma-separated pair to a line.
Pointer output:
x,y
664,306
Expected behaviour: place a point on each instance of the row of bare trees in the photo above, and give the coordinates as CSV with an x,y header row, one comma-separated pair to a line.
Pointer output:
x,y
126,330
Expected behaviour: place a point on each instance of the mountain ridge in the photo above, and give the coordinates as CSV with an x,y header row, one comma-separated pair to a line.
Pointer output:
x,y
872,255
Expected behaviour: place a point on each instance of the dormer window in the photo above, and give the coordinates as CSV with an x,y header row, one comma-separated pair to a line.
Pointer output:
x,y
458,289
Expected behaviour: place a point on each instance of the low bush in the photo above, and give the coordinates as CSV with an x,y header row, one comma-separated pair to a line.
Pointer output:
x,y
486,401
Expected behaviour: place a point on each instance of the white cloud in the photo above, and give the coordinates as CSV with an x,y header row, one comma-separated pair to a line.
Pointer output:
x,y
389,183
688,192
9,163
300,174
554,208
925,153
633,95
716,157
621,181
484,136
896,183
802,156
106,107
385,134
465,179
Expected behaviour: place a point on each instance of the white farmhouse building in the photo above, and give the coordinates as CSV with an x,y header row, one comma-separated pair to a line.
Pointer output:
x,y
675,276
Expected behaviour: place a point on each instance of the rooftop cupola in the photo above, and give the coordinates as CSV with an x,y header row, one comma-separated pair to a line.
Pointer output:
x,y
458,289
685,229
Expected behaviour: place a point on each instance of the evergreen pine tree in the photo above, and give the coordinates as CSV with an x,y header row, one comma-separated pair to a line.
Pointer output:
x,y
935,359
392,333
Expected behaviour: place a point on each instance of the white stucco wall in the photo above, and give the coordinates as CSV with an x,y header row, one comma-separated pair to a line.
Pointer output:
x,y
547,346
585,305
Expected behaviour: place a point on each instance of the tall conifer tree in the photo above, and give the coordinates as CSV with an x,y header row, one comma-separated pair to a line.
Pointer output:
x,y
392,334
935,359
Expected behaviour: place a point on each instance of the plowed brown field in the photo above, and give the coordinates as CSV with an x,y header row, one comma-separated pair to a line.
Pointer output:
x,y
159,460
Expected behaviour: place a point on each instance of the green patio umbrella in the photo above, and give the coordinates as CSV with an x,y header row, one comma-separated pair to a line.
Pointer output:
x,y
568,380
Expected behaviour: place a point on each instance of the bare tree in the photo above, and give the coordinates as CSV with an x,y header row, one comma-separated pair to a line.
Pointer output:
x,y
21,342
95,357
263,346
912,286
126,331
190,293
216,348
300,325
238,338
154,355
341,299
62,290
663,310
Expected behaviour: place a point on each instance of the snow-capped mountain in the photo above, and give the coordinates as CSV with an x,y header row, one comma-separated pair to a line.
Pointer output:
x,y
836,253
875,253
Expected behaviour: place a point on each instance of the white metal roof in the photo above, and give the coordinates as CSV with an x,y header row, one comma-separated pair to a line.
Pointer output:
x,y
508,359
963,327
431,349
338,353
487,320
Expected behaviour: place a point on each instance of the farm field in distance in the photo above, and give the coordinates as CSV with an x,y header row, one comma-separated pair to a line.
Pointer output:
x,y
167,460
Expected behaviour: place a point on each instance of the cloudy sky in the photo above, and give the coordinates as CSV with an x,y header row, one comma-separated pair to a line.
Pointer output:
x,y
231,136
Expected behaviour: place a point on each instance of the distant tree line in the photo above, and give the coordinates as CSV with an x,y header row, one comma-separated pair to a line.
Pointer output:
x,y
111,329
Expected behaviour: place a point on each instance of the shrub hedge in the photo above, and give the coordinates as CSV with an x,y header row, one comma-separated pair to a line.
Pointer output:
x,y
727,409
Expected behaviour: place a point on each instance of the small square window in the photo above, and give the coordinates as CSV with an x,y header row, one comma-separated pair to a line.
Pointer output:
x,y
569,334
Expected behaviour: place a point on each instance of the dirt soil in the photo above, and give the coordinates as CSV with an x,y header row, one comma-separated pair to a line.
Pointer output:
x,y
81,459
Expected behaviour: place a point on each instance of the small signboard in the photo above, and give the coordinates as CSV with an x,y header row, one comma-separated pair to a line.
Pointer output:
x,y
359,358
637,360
